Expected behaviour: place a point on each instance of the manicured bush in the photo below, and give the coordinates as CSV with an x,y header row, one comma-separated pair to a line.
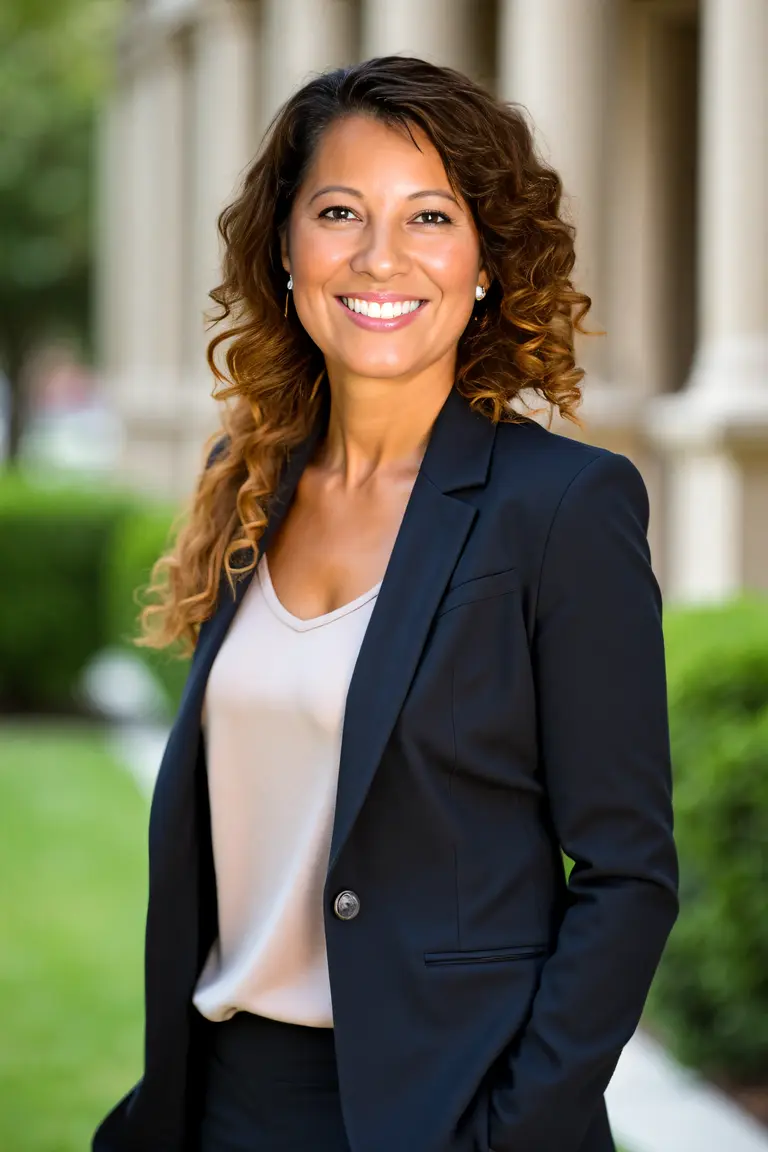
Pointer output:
x,y
73,561
710,996
138,542
53,544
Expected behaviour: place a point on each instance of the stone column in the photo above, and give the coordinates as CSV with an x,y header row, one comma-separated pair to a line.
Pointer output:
x,y
141,316
553,59
301,38
716,430
441,31
581,68
226,118
734,189
111,249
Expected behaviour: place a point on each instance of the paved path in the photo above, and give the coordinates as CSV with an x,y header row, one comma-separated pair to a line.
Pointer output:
x,y
140,749
657,1106
654,1104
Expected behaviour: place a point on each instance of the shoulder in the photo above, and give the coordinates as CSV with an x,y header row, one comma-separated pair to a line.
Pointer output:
x,y
569,511
553,472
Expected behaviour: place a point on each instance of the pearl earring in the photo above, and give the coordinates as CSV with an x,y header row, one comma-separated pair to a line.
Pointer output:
x,y
290,283
288,296
479,292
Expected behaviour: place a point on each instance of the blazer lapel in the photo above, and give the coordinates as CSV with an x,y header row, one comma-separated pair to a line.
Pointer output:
x,y
431,536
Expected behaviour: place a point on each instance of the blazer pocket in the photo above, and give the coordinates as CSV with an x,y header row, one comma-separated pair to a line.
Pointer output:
x,y
487,955
481,588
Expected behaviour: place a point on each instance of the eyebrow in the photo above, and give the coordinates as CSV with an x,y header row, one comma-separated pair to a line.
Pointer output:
x,y
354,192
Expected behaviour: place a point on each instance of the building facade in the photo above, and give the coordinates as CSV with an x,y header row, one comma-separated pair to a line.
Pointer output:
x,y
653,111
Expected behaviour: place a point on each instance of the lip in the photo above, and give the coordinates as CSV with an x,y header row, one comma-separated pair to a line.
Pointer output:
x,y
375,323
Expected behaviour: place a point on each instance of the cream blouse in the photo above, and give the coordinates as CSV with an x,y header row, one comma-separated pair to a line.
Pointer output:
x,y
272,723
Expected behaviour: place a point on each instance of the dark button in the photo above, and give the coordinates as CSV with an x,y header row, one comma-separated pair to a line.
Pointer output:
x,y
346,905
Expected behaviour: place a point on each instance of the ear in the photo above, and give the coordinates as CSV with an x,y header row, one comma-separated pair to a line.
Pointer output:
x,y
484,279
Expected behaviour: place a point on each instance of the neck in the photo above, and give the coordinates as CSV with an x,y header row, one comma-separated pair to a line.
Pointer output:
x,y
381,425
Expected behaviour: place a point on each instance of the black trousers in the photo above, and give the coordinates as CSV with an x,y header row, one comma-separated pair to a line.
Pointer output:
x,y
269,1086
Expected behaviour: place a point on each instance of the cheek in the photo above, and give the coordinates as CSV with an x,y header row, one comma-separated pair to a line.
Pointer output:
x,y
316,255
455,271
454,266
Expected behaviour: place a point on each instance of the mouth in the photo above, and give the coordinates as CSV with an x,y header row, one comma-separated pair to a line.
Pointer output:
x,y
381,315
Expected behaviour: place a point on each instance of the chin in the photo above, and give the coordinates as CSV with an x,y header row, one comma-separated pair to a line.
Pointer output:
x,y
379,368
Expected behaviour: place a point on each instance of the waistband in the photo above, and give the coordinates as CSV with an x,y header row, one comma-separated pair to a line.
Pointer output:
x,y
273,1048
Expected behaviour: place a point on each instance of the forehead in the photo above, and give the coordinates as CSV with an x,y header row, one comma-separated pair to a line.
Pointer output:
x,y
367,154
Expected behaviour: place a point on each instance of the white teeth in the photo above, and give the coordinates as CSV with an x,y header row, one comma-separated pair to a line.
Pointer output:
x,y
388,311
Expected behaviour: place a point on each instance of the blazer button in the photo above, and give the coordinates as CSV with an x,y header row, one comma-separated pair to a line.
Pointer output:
x,y
346,905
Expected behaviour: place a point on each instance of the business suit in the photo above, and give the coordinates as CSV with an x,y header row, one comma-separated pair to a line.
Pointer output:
x,y
509,698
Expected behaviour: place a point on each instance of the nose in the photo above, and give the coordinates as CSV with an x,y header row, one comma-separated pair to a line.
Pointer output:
x,y
381,253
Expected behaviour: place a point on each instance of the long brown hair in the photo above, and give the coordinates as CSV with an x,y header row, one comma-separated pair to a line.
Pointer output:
x,y
519,340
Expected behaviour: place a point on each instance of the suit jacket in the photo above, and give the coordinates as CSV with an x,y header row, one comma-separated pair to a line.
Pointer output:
x,y
508,701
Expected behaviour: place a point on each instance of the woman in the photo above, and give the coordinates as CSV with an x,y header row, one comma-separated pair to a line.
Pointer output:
x,y
427,657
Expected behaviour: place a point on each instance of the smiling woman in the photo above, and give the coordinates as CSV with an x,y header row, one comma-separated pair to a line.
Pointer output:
x,y
392,178
447,672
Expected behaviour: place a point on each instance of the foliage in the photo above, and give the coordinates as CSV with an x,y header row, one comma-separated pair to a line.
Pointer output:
x,y
75,561
710,996
54,67
73,850
140,539
54,542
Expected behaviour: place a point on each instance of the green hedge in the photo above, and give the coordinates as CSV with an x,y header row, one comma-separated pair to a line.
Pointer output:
x,y
54,542
72,562
710,996
140,539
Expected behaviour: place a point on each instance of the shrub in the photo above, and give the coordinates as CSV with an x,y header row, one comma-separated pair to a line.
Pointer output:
x,y
140,539
710,996
53,542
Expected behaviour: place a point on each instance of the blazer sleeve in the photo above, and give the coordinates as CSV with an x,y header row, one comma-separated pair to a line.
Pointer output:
x,y
599,671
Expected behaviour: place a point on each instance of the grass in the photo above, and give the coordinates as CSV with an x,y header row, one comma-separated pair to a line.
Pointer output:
x,y
73,863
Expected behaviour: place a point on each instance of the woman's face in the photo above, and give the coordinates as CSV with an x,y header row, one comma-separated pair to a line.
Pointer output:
x,y
385,260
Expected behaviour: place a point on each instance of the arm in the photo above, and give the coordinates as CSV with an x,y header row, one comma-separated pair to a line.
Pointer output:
x,y
598,659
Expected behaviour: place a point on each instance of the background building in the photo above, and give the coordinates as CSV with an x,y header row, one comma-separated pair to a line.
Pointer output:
x,y
655,113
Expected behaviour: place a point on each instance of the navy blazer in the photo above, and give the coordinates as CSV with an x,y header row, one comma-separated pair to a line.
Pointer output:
x,y
508,701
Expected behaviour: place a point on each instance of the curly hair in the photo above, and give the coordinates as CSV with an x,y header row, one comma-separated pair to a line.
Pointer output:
x,y
519,340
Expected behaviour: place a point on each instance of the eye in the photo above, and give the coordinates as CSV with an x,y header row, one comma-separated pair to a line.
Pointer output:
x,y
339,208
437,217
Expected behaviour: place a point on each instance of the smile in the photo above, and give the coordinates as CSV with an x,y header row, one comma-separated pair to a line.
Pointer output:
x,y
387,311
381,315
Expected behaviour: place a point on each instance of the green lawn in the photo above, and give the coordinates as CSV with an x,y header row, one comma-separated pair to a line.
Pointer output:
x,y
73,867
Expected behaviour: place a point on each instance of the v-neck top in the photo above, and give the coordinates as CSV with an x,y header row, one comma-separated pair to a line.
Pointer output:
x,y
273,716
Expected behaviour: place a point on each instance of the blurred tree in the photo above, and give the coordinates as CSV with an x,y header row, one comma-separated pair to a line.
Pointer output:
x,y
55,61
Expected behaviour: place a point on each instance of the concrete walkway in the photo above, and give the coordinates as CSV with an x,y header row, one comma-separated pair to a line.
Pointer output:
x,y
657,1106
653,1103
140,748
